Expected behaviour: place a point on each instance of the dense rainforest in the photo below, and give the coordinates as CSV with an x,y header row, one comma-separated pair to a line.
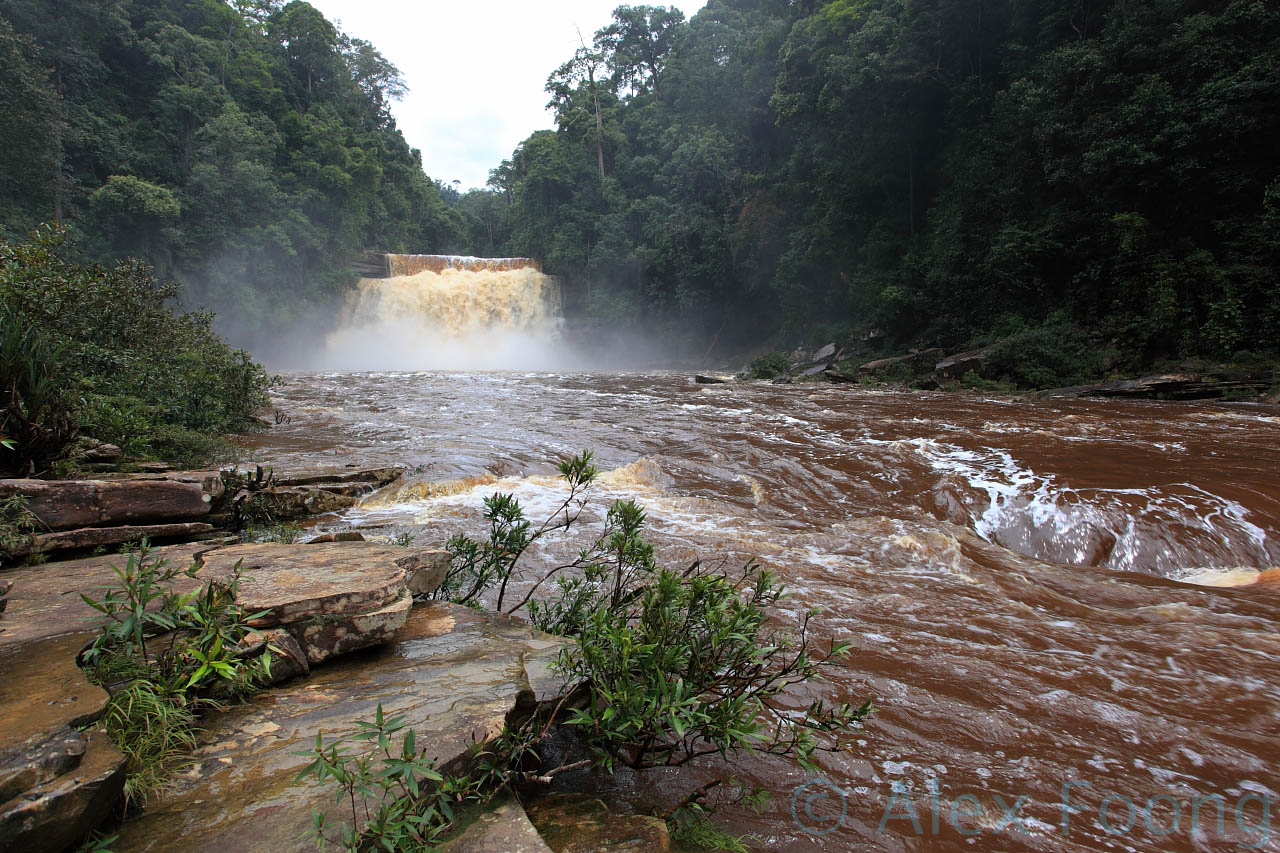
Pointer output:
x,y
1099,177
245,149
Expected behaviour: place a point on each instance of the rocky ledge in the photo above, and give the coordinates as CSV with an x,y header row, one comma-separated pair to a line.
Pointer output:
x,y
58,776
179,506
454,673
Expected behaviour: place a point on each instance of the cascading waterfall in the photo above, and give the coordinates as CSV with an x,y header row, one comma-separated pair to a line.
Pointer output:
x,y
449,312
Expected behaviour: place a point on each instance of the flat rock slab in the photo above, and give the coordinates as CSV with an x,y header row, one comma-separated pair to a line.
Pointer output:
x,y
45,600
295,583
454,673
574,823
503,827
68,504
92,537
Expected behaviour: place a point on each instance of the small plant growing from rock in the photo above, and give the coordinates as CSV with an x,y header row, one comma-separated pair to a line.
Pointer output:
x,y
17,527
397,798
666,667
164,656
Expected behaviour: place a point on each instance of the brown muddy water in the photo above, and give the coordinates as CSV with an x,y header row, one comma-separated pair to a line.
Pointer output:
x,y
1044,598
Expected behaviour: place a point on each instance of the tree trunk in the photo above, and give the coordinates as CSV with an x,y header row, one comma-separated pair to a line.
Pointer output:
x,y
591,76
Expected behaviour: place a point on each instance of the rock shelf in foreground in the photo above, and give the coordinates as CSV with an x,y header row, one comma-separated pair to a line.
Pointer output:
x,y
320,601
453,672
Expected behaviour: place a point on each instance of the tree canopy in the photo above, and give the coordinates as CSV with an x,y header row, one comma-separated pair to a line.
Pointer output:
x,y
927,172
246,149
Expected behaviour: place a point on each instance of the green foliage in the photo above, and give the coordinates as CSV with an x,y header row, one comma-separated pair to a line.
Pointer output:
x,y
919,168
165,655
282,532
1051,356
398,800
684,665
36,423
770,365
244,149
477,566
691,829
111,349
661,668
17,524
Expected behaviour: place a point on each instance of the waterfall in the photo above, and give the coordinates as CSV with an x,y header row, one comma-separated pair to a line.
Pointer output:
x,y
449,312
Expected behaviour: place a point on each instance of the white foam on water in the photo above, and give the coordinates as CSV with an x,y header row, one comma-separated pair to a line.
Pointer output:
x,y
1019,508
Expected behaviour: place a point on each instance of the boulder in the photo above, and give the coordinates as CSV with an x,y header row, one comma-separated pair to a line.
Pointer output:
x,y
324,637
453,673
703,379
575,823
916,362
430,573
102,453
978,360
69,504
57,814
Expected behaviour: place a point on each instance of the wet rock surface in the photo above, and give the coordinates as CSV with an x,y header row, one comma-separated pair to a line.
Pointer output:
x,y
574,823
56,782
503,827
300,587
452,672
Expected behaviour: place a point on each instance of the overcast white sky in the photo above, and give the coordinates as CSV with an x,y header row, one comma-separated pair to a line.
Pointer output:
x,y
475,69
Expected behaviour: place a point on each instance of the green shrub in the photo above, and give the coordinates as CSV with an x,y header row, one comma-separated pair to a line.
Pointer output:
x,y
1054,355
673,666
769,366
164,656
406,803
36,424
17,524
134,370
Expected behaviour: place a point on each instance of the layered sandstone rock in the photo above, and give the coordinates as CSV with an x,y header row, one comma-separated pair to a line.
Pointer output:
x,y
453,673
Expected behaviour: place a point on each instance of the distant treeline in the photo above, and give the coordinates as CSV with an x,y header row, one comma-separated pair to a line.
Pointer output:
x,y
911,172
947,172
246,149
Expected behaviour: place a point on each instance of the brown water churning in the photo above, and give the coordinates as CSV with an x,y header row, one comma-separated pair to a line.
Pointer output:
x,y
414,264
1008,573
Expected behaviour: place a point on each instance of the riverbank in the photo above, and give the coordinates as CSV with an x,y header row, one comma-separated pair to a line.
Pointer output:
x,y
996,369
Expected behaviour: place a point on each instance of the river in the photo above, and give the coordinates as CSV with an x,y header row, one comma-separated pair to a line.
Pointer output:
x,y
1043,597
